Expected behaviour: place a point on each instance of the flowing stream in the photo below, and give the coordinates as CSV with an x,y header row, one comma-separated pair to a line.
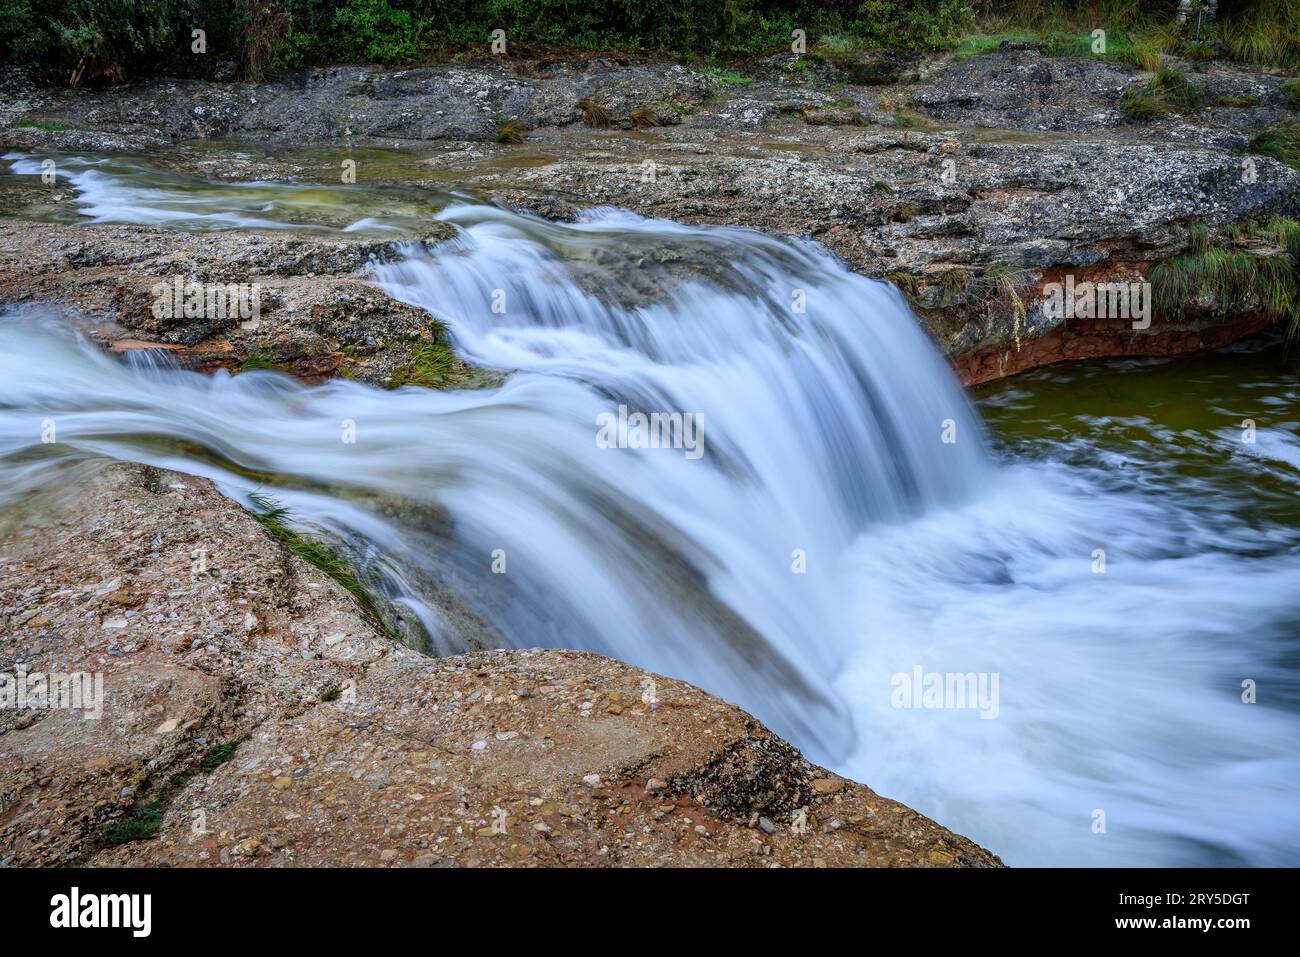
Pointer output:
x,y
838,519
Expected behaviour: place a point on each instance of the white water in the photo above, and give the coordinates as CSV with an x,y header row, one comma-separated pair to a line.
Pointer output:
x,y
822,433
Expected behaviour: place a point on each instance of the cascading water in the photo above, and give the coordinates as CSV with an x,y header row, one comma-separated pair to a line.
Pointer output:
x,y
844,523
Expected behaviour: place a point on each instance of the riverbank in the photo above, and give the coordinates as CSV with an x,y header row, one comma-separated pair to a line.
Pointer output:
x,y
972,202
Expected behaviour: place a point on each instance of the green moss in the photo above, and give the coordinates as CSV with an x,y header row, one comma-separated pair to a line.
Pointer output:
x,y
730,77
256,360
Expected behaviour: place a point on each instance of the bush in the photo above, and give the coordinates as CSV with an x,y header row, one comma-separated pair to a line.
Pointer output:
x,y
83,40
374,32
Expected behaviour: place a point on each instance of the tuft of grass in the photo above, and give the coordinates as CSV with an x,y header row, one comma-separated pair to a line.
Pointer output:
x,y
1291,90
142,826
433,365
730,77
218,754
594,115
1232,99
1281,141
256,360
1168,91
330,693
510,131
644,116
1258,268
275,518
47,127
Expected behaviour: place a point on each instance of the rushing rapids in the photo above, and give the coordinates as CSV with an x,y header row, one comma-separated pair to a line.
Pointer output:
x,y
846,523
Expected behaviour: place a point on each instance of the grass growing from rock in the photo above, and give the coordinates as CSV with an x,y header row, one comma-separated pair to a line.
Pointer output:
x,y
142,826
1281,141
433,365
1254,267
218,754
275,518
510,131
256,360
1168,91
1291,90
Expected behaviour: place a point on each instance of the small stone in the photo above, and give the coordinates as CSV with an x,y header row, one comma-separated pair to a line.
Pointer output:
x,y
654,785
592,780
282,783
387,855
248,846
766,826
828,785
168,726
479,745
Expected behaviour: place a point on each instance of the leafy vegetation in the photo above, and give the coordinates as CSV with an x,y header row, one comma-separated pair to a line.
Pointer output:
x,y
108,40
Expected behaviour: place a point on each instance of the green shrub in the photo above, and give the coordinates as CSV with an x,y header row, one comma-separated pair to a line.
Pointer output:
x,y
374,32
920,24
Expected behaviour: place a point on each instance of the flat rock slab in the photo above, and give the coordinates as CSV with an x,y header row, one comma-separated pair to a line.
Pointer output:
x,y
345,748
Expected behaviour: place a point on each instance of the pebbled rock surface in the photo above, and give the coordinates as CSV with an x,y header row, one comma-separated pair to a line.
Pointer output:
x,y
344,748
319,314
968,182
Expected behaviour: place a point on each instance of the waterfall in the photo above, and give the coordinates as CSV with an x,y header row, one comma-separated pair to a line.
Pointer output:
x,y
834,519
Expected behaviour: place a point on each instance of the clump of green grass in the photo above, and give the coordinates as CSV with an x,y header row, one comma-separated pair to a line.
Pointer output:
x,y
275,518
1281,141
1256,268
142,826
331,693
1291,90
256,360
510,131
433,365
1263,32
218,754
730,77
1236,100
47,127
1168,91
